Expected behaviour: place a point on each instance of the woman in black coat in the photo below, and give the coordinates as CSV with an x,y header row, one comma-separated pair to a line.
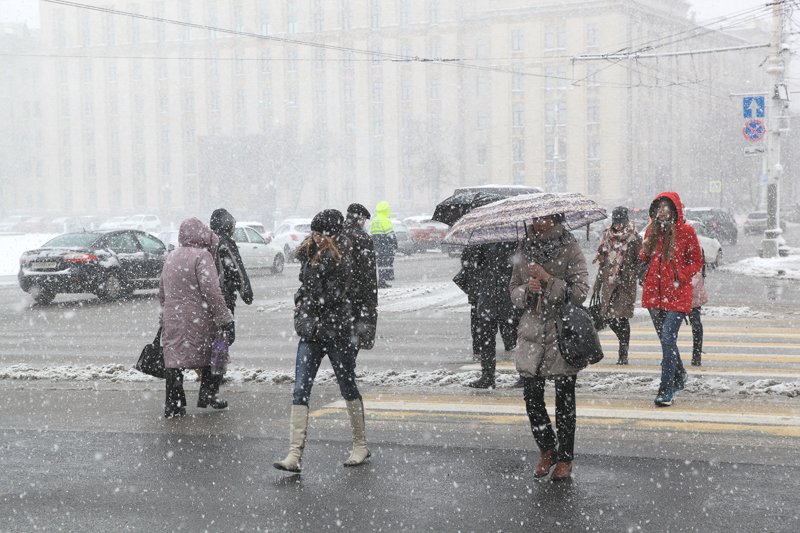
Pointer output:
x,y
324,322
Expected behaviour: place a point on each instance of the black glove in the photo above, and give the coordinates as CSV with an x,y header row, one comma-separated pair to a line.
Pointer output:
x,y
229,331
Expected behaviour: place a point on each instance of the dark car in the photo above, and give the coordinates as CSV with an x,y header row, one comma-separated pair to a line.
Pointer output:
x,y
717,223
109,264
756,222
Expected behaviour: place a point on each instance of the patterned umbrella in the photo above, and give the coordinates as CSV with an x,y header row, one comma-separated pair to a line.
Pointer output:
x,y
505,220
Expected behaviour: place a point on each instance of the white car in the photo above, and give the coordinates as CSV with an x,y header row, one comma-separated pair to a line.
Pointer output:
x,y
712,249
148,223
290,233
256,252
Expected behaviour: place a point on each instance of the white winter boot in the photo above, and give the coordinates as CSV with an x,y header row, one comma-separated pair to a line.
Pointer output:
x,y
298,424
355,410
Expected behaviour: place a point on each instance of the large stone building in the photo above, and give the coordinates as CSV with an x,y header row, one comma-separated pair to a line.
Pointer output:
x,y
303,105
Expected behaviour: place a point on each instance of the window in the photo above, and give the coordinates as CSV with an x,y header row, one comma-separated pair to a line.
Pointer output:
x,y
481,154
405,13
518,115
435,89
404,49
186,68
163,102
347,93
405,90
483,120
322,96
592,76
481,85
150,244
91,168
517,82
266,98
161,69
266,62
122,243
188,102
239,235
433,11
348,59
516,41
377,91
593,147
518,149
188,133
593,113
111,36
481,49
377,125
555,38
375,14
291,63
319,59
435,48
213,100
186,16
254,236
592,35
238,62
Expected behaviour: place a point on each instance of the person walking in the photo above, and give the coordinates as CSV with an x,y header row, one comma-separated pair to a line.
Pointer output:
x,y
548,267
364,288
324,322
615,284
674,256
385,240
193,316
233,276
494,308
699,299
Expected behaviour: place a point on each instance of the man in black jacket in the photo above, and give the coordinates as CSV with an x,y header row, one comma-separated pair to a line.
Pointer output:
x,y
364,288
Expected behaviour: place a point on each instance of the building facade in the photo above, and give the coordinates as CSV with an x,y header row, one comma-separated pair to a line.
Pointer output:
x,y
276,108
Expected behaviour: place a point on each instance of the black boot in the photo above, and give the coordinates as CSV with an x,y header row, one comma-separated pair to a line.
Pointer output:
x,y
486,381
623,355
175,404
209,386
696,360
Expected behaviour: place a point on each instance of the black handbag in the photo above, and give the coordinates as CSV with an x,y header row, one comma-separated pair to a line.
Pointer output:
x,y
596,311
151,360
306,320
578,341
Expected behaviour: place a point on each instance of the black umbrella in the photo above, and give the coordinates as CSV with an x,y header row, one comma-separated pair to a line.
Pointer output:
x,y
451,209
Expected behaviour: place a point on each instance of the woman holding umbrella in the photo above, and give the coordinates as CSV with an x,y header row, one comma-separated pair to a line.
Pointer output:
x,y
548,267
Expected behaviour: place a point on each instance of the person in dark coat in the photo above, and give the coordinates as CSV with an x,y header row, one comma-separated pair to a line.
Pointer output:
x,y
323,320
467,280
193,316
364,289
382,231
232,274
494,308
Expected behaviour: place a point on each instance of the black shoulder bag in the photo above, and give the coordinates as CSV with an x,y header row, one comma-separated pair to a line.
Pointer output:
x,y
578,341
151,360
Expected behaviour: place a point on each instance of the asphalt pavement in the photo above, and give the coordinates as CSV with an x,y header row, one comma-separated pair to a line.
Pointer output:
x,y
98,458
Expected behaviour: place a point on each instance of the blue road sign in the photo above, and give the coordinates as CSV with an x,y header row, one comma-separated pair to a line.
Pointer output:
x,y
753,107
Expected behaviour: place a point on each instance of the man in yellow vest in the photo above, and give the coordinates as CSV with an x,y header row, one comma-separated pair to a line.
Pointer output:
x,y
385,242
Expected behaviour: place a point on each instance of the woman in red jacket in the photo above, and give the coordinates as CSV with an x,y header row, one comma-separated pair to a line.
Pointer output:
x,y
674,255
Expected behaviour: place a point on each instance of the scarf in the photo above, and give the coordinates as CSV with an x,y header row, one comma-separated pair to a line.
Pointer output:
x,y
544,249
613,249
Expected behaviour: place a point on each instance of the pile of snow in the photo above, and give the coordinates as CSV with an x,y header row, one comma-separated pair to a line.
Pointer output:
x,y
588,381
775,267
12,246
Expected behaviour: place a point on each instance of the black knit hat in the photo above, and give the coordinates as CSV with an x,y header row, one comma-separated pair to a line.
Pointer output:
x,y
358,210
328,222
619,215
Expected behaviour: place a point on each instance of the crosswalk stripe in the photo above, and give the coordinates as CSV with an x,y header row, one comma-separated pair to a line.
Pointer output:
x,y
675,414
637,369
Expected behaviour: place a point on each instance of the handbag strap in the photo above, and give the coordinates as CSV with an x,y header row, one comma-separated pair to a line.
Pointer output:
x,y
157,340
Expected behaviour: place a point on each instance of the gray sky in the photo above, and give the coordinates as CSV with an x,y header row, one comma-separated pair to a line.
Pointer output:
x,y
27,10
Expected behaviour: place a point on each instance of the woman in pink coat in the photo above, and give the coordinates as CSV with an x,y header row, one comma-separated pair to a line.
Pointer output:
x,y
193,316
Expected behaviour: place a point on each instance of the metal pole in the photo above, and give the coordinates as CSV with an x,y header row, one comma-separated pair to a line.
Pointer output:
x,y
775,109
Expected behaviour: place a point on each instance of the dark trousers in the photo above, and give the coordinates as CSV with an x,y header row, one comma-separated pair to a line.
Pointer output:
x,y
176,396
622,329
697,333
563,439
473,329
487,325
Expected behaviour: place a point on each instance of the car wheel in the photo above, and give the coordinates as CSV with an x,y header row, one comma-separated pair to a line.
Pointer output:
x,y
277,264
112,288
42,296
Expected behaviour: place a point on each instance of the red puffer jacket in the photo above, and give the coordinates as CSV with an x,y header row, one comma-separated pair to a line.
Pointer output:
x,y
668,284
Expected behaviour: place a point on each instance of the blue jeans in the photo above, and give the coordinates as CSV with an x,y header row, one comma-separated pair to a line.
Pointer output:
x,y
667,324
342,355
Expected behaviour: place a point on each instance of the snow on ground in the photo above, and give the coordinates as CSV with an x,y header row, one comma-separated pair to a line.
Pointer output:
x,y
12,246
588,381
776,267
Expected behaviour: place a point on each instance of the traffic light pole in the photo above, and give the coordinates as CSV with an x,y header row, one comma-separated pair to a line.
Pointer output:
x,y
778,99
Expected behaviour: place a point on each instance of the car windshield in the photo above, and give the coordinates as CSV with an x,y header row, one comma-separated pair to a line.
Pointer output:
x,y
72,240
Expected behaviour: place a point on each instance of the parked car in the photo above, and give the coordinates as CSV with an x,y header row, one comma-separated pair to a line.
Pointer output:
x,y
756,222
112,223
405,245
290,234
259,227
256,252
424,232
11,223
148,223
34,225
110,265
718,223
